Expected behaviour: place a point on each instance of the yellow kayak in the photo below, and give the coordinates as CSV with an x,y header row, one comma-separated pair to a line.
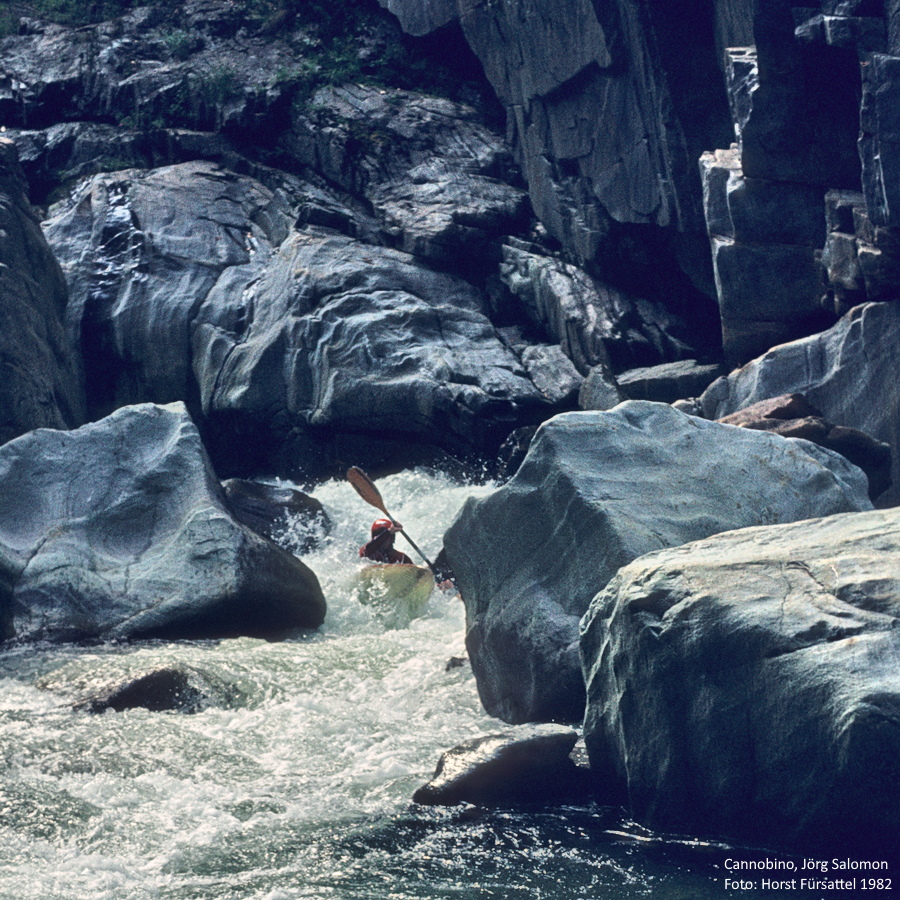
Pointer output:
x,y
397,593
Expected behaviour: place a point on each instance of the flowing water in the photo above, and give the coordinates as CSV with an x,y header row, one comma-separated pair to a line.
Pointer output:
x,y
295,782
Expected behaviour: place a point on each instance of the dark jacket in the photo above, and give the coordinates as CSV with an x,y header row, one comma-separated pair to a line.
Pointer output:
x,y
381,549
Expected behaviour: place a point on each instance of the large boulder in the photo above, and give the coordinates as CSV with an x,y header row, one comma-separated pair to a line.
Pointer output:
x,y
118,530
849,373
41,379
294,520
597,490
192,283
747,686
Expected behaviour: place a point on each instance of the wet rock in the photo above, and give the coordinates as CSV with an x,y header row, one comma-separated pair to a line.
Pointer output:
x,y
529,765
41,379
745,686
295,520
117,530
513,450
167,689
847,373
596,491
791,415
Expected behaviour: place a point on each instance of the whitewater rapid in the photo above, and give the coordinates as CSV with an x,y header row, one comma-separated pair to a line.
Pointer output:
x,y
295,782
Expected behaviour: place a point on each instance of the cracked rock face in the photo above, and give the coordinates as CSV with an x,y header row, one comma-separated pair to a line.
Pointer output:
x,y
118,530
597,490
747,685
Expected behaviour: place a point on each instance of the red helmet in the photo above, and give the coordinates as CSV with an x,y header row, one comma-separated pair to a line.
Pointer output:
x,y
380,525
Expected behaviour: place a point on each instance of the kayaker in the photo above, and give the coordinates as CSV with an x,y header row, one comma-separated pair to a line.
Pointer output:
x,y
381,547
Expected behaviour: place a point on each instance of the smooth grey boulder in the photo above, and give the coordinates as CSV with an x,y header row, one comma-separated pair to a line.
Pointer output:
x,y
746,686
118,530
597,490
527,765
141,250
849,373
193,283
42,385
338,338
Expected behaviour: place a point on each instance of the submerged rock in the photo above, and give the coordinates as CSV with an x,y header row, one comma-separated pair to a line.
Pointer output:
x,y
531,764
597,490
117,530
281,513
746,686
167,689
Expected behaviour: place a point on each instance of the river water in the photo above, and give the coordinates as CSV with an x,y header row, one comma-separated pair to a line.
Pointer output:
x,y
295,782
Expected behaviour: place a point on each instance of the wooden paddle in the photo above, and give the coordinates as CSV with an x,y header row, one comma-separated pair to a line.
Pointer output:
x,y
366,489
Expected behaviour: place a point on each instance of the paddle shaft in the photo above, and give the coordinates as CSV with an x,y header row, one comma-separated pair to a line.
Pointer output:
x,y
365,487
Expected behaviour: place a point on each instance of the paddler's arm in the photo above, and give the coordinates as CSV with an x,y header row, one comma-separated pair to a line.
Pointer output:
x,y
380,544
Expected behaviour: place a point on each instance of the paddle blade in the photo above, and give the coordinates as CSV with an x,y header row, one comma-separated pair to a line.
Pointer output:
x,y
365,487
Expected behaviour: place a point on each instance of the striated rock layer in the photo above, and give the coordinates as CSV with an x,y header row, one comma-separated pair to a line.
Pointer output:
x,y
193,283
